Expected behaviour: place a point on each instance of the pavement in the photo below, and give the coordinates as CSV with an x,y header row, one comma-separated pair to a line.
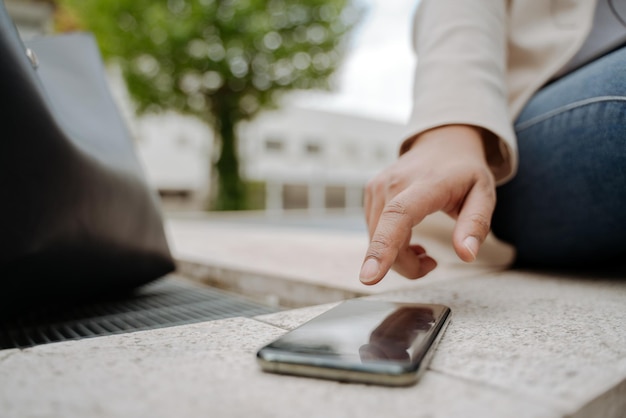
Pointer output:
x,y
520,344
297,259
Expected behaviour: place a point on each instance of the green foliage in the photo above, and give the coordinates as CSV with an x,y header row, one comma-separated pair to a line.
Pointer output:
x,y
255,195
220,60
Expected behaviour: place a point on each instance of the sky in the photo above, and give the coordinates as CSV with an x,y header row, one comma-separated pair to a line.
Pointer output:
x,y
377,76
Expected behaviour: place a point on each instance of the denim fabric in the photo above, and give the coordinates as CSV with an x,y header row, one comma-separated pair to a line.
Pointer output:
x,y
566,207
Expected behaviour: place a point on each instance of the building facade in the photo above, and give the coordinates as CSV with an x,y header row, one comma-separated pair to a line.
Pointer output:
x,y
310,158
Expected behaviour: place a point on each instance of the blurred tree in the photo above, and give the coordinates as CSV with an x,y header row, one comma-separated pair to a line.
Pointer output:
x,y
221,60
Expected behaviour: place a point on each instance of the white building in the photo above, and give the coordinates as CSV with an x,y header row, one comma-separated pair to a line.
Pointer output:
x,y
175,149
315,159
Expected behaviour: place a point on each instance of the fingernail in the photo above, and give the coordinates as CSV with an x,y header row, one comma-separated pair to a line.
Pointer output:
x,y
472,244
369,271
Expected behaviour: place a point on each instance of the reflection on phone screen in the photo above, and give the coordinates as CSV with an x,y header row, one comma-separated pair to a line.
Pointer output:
x,y
387,331
398,333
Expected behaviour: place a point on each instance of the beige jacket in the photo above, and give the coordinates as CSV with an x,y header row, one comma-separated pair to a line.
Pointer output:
x,y
479,61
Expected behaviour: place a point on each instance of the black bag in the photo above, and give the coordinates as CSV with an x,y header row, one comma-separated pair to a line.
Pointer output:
x,y
77,218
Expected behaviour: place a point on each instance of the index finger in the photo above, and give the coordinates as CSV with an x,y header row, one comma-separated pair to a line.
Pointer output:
x,y
393,231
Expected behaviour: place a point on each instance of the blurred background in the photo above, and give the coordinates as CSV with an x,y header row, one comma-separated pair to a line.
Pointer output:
x,y
266,105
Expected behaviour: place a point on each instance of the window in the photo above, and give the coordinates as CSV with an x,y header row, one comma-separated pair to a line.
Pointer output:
x,y
313,148
182,141
274,145
335,197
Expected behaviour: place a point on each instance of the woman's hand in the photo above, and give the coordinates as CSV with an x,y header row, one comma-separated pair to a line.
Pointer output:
x,y
445,169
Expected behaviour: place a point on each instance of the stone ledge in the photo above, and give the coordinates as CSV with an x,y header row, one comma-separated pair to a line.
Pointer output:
x,y
559,340
519,345
271,288
555,340
209,370
296,265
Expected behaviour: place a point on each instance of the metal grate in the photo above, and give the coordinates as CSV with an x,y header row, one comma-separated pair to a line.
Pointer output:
x,y
165,303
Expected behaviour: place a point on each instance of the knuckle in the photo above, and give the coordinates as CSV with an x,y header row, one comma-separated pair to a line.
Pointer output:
x,y
396,216
377,249
378,245
395,184
486,186
492,197
386,183
480,223
486,180
488,193
395,209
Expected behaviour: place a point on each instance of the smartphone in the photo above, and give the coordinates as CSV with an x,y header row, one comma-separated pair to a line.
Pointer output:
x,y
365,341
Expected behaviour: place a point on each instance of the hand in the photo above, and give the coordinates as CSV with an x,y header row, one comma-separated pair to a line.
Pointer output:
x,y
445,169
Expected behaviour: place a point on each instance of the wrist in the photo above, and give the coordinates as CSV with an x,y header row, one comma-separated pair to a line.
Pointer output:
x,y
463,139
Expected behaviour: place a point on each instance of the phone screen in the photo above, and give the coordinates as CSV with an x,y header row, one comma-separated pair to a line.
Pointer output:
x,y
367,341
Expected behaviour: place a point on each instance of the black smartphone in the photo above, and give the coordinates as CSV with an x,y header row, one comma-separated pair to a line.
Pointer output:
x,y
366,341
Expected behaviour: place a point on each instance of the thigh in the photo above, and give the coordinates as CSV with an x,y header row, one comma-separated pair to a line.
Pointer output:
x,y
567,204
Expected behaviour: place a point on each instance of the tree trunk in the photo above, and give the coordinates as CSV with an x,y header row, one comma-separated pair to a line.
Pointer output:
x,y
231,191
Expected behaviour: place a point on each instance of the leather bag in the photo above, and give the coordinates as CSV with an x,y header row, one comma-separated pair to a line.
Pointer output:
x,y
77,217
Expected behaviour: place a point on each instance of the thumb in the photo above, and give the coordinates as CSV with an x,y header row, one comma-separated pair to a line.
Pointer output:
x,y
474,221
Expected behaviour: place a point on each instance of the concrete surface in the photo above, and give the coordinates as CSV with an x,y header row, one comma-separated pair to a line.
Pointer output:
x,y
209,370
560,341
520,344
301,261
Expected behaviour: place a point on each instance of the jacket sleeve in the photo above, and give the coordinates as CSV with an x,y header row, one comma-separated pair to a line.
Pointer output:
x,y
461,75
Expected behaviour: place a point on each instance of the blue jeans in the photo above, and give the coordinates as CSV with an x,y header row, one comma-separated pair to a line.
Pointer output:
x,y
566,207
